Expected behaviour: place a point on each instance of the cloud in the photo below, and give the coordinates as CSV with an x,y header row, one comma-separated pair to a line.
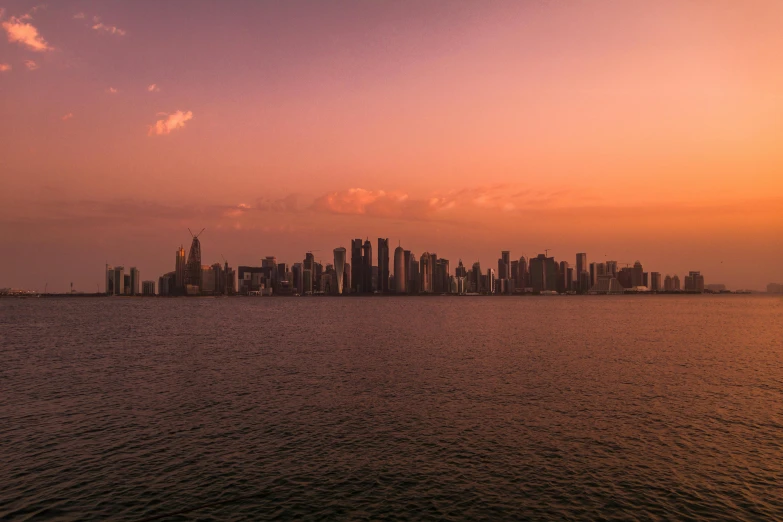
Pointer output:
x,y
5,67
23,33
78,16
111,29
112,90
174,121
286,204
449,206
153,88
31,65
67,116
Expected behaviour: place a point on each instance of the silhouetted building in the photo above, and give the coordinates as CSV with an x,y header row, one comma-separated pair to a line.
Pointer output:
x,y
694,282
115,280
148,288
179,269
367,267
193,265
357,265
383,265
655,281
339,268
637,275
400,277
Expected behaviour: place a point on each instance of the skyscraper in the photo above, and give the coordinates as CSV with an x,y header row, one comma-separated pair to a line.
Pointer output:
x,y
655,281
425,273
135,281
637,277
383,265
523,273
357,279
179,269
367,267
339,268
115,280
400,275
581,266
193,265
505,257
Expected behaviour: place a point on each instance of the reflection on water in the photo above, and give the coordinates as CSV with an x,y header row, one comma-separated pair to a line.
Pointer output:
x,y
443,408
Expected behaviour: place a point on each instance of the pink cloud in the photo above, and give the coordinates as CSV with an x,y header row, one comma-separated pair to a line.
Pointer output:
x,y
153,88
5,67
67,117
111,29
112,90
31,65
174,121
483,199
78,16
23,33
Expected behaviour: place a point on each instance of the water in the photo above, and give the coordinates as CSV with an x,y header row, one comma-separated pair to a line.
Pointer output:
x,y
392,408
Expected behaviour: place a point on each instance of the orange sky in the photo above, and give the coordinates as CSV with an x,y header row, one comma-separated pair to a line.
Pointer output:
x,y
631,130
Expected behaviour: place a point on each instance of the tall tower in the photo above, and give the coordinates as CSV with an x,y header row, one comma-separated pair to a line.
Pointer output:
x,y
400,274
193,265
357,279
339,268
179,268
367,267
383,265
505,257
425,272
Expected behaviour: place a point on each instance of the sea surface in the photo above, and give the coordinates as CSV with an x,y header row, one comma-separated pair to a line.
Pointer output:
x,y
432,408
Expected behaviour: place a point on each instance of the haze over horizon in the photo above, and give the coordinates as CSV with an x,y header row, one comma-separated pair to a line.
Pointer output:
x,y
631,130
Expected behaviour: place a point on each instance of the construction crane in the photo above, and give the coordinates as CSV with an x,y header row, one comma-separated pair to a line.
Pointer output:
x,y
546,251
196,235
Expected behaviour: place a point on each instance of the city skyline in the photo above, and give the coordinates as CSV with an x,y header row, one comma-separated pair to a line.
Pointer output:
x,y
639,131
427,273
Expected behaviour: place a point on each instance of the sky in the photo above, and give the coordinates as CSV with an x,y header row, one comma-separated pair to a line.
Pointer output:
x,y
630,130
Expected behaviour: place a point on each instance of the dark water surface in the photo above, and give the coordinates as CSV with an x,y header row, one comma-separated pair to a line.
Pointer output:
x,y
392,408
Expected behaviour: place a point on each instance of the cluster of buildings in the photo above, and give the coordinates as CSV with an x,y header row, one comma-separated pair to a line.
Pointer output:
x,y
398,272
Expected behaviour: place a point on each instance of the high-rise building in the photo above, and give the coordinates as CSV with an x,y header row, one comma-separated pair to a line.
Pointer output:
x,y
135,281
676,283
476,278
357,265
383,265
298,280
637,275
179,269
505,257
694,282
347,278
538,275
339,269
400,276
581,262
115,280
367,267
667,283
611,268
193,265
148,288
414,282
425,273
563,285
524,275
655,281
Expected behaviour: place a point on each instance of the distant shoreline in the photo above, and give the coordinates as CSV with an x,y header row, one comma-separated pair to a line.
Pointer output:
x,y
382,296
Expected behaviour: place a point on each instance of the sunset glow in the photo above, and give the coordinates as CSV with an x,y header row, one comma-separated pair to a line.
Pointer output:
x,y
647,130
